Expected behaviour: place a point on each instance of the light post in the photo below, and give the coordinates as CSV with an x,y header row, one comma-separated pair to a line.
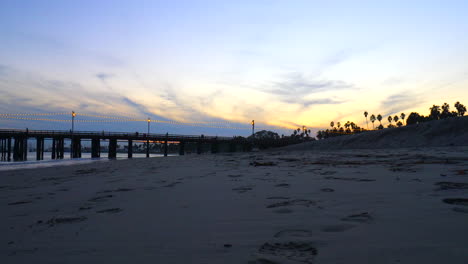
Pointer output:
x,y
72,130
149,121
147,138
253,128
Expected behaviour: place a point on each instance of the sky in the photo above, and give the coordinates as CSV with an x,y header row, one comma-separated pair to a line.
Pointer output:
x,y
282,63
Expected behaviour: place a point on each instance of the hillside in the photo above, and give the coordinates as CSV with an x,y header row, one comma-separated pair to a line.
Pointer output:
x,y
446,132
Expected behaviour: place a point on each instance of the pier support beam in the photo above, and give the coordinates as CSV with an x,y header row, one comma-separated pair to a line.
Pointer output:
x,y
59,148
130,148
3,148
76,148
181,148
39,148
54,147
165,145
95,148
232,146
9,149
112,148
214,146
20,149
199,147
147,148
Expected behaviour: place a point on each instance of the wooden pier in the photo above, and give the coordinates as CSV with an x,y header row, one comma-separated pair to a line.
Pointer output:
x,y
14,143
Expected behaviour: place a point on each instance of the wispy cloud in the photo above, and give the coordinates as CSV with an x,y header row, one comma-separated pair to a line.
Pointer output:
x,y
295,88
397,103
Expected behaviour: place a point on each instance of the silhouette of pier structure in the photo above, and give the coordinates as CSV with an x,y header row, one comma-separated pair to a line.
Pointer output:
x,y
14,143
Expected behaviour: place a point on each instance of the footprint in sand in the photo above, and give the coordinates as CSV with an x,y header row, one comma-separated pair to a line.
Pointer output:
x,y
451,185
110,211
337,228
293,233
170,185
281,252
117,190
65,220
20,202
349,179
364,217
243,189
278,198
460,210
101,198
86,171
456,201
301,202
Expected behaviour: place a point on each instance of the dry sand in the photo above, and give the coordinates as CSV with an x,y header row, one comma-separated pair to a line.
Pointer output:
x,y
445,132
348,206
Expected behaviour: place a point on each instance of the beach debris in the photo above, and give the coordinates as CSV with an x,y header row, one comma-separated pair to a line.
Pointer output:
x,y
110,211
301,202
327,190
227,245
456,201
364,217
266,163
282,185
452,185
65,220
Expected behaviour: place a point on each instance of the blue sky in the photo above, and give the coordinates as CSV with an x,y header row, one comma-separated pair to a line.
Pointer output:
x,y
282,63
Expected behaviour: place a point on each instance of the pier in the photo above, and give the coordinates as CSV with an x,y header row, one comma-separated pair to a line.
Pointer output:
x,y
14,143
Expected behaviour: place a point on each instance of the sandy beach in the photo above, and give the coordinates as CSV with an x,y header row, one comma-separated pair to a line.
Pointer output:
x,y
342,206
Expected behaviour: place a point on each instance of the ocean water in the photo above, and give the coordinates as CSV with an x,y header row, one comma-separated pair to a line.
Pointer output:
x,y
32,163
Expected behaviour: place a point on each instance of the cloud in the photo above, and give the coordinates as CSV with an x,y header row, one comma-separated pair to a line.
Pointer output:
x,y
397,103
104,76
307,103
295,88
140,108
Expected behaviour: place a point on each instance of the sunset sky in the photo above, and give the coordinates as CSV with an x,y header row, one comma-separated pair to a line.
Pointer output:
x,y
282,63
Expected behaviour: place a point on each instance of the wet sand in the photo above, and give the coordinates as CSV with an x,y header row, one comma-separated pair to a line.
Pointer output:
x,y
353,206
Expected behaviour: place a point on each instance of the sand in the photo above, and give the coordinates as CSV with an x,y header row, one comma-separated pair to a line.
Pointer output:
x,y
344,206
446,132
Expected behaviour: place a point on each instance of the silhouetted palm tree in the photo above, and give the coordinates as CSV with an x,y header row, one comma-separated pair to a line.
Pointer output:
x,y
332,124
365,114
390,119
372,119
402,116
379,117
395,118
461,109
434,112
338,124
